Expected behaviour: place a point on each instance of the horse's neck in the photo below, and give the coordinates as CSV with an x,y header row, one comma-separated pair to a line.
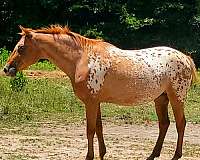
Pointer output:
x,y
65,66
59,55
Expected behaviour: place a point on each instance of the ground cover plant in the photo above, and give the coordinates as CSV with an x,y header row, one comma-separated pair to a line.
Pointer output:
x,y
53,99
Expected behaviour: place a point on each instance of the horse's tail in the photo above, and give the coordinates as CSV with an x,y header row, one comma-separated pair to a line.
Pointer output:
x,y
193,68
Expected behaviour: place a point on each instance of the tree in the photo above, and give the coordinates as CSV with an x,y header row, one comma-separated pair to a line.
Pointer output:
x,y
128,24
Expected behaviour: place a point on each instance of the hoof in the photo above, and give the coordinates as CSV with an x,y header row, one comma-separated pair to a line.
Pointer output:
x,y
102,153
177,156
89,157
152,156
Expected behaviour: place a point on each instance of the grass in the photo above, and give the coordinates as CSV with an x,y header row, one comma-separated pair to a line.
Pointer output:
x,y
39,100
4,54
43,65
54,100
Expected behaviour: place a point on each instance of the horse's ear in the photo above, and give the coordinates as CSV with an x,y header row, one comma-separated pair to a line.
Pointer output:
x,y
22,28
26,31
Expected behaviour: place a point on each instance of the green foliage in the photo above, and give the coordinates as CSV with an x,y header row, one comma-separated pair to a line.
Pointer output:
x,y
4,54
128,24
40,100
93,33
131,21
54,100
18,83
43,65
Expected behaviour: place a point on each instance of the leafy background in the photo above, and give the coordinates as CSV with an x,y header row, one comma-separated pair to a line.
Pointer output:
x,y
129,24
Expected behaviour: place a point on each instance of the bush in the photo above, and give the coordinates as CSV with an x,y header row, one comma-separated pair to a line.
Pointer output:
x,y
18,83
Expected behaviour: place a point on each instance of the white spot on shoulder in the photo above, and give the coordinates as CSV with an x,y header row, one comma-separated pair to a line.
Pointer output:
x,y
97,72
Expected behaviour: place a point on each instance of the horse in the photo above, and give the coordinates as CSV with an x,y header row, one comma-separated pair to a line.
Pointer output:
x,y
101,72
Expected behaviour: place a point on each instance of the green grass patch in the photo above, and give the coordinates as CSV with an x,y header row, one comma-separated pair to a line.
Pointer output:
x,y
4,54
129,114
40,100
54,100
43,65
192,107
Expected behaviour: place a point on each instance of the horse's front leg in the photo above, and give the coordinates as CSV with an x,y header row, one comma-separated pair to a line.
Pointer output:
x,y
99,132
91,116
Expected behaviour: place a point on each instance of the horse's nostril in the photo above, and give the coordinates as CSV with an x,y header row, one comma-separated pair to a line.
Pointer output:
x,y
5,70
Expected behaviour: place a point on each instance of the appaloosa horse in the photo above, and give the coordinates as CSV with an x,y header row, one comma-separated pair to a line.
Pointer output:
x,y
100,72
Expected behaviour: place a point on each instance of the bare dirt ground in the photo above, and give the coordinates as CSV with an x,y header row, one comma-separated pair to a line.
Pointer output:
x,y
52,141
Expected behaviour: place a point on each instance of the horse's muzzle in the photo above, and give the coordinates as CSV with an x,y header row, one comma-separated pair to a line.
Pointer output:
x,y
10,70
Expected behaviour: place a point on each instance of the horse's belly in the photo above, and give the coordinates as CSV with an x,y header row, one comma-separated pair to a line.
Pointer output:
x,y
132,83
129,94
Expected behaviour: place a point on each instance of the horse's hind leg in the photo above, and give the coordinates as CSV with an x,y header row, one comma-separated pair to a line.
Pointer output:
x,y
178,110
161,104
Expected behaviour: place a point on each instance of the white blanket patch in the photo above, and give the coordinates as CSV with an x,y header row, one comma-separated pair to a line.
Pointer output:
x,y
161,60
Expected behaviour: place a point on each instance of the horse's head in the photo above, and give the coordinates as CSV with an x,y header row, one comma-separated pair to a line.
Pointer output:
x,y
24,54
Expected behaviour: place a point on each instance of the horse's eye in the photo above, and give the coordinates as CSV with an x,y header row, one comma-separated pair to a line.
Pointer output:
x,y
20,48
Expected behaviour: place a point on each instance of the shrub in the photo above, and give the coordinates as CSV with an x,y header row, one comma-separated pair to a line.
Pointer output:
x,y
18,83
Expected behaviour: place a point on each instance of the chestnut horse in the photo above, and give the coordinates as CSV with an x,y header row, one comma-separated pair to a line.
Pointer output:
x,y
100,72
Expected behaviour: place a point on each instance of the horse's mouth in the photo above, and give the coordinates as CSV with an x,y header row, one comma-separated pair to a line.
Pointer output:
x,y
10,71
